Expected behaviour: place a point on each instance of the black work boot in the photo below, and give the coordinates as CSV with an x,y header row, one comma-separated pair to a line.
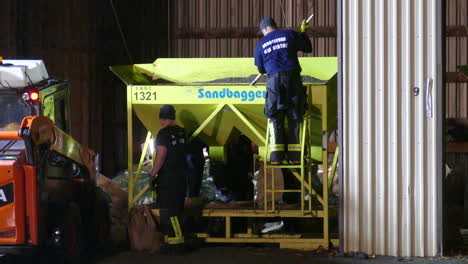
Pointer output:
x,y
276,157
165,249
179,249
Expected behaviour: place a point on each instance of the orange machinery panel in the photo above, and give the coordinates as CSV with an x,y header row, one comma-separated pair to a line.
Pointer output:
x,y
32,204
12,203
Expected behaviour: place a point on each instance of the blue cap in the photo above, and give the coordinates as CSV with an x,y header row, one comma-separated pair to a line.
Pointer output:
x,y
167,112
268,21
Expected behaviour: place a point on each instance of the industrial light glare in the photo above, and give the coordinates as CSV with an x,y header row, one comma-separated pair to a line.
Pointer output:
x,y
34,96
151,147
26,96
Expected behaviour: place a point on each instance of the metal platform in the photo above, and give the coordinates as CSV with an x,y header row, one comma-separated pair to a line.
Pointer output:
x,y
259,213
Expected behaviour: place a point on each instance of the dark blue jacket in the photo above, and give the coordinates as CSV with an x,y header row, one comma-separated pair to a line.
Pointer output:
x,y
277,51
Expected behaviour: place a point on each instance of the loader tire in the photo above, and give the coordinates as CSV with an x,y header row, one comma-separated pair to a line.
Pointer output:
x,y
73,236
101,219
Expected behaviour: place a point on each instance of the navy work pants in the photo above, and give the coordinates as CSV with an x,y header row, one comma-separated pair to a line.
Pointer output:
x,y
286,98
279,143
171,197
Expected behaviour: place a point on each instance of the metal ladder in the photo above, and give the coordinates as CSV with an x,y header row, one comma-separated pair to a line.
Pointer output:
x,y
298,171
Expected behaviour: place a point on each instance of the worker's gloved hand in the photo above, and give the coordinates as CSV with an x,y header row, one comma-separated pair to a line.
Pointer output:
x,y
153,187
153,184
304,26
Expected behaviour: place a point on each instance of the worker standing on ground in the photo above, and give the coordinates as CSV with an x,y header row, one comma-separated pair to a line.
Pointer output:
x,y
276,55
170,172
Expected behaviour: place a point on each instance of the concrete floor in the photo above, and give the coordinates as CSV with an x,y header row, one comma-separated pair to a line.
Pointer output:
x,y
221,254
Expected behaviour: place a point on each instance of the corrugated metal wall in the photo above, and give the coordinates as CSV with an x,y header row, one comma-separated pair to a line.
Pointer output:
x,y
144,24
8,29
390,161
457,54
51,30
79,40
215,14
212,14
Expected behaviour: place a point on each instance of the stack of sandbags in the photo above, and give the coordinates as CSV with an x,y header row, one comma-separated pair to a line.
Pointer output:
x,y
260,182
207,188
119,209
143,231
335,185
122,180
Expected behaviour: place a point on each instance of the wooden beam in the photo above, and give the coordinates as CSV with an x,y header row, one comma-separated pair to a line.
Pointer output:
x,y
247,32
236,33
318,32
455,77
457,147
457,122
456,31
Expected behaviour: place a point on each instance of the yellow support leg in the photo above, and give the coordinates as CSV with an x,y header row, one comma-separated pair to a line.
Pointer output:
x,y
309,169
265,164
303,144
228,227
273,189
309,173
333,169
208,120
249,124
142,159
325,167
145,188
307,186
130,148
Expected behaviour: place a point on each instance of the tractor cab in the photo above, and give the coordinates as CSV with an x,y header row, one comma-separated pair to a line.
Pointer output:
x,y
26,89
48,192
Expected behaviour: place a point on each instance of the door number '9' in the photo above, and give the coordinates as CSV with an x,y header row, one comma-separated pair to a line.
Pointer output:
x,y
145,96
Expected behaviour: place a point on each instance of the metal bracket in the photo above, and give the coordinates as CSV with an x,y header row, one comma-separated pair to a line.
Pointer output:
x,y
96,167
428,97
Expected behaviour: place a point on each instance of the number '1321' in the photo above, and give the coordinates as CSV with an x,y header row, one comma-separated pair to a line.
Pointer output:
x,y
146,96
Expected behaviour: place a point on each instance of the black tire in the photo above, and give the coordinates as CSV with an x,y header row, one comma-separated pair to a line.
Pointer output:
x,y
73,250
101,219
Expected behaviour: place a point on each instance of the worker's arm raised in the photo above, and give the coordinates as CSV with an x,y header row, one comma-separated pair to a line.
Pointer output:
x,y
304,43
304,26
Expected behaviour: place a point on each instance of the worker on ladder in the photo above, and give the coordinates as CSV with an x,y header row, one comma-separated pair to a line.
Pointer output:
x,y
170,178
276,55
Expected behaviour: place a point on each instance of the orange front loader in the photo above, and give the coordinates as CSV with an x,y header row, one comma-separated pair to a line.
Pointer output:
x,y
48,193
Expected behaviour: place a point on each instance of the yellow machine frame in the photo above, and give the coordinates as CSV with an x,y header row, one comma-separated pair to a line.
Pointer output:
x,y
295,241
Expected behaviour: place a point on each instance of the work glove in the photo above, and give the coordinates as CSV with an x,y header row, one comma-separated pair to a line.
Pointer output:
x,y
304,26
153,183
153,187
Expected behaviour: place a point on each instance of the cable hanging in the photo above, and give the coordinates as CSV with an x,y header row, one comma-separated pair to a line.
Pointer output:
x,y
121,32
